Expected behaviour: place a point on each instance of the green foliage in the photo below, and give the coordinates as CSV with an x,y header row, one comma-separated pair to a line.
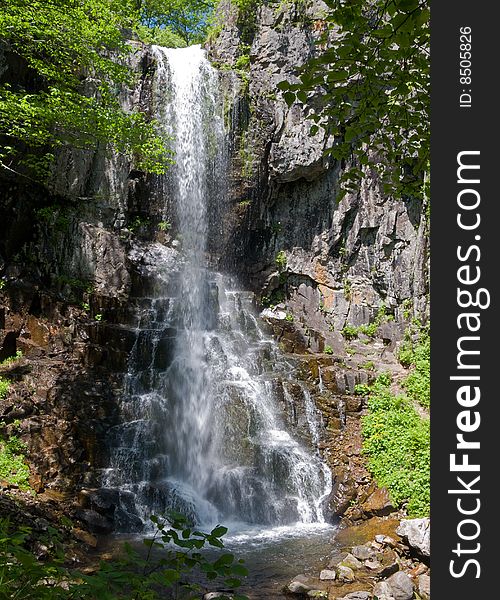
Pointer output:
x,y
2,284
4,388
328,350
280,260
275,297
289,317
166,569
417,354
164,225
188,20
160,36
13,468
373,72
349,332
62,43
369,365
397,442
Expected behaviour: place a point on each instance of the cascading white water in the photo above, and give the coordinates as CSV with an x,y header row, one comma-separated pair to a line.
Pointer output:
x,y
202,429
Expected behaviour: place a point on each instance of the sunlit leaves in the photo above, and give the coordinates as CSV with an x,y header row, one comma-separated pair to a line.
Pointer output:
x,y
72,67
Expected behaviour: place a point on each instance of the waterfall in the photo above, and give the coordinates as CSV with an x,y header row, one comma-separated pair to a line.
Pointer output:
x,y
202,428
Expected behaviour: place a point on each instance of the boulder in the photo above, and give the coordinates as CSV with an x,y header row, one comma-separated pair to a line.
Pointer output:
x,y
401,586
357,596
95,522
317,594
351,562
299,585
417,534
378,504
383,591
362,552
345,574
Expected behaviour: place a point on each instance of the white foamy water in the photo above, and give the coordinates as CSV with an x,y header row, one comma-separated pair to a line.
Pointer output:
x,y
202,424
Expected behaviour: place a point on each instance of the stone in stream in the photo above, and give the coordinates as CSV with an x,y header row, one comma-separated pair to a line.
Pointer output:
x,y
417,534
216,596
364,552
317,594
345,574
327,575
357,596
299,585
351,562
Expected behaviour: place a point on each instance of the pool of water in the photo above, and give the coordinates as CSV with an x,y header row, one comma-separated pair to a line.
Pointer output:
x,y
273,556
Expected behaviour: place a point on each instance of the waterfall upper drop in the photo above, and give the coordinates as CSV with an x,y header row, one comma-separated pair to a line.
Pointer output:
x,y
203,419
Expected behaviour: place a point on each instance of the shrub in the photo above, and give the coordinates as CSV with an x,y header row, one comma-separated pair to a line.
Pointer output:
x,y
280,260
417,354
396,441
173,565
4,387
13,468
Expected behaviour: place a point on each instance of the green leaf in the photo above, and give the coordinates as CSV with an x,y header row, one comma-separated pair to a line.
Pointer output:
x,y
219,531
289,98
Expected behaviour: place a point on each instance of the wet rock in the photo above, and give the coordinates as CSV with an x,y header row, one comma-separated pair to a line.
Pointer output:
x,y
95,522
363,552
351,562
345,573
378,504
401,586
85,537
424,586
217,595
327,575
299,585
417,533
336,559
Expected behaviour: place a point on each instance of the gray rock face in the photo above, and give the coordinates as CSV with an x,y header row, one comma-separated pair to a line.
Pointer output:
x,y
354,254
417,534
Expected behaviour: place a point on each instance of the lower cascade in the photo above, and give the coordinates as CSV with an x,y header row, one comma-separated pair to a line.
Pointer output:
x,y
208,422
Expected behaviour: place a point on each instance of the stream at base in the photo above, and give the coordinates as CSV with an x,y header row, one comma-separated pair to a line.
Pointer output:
x,y
273,556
